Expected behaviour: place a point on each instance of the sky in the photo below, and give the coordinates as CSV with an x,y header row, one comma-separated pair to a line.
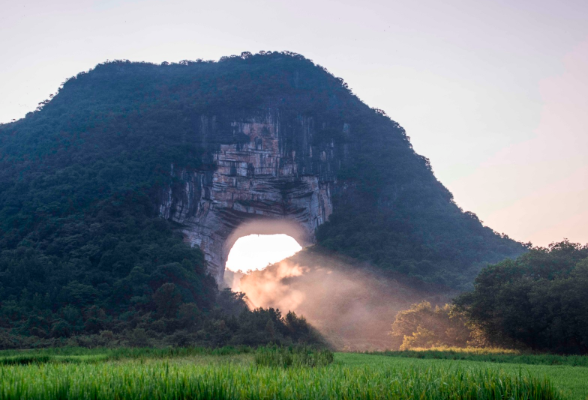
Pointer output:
x,y
255,252
494,93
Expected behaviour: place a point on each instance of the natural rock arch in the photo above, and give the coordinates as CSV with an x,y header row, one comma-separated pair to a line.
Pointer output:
x,y
259,185
284,226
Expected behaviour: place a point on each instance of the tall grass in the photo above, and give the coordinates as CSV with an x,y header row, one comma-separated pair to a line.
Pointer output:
x,y
85,355
162,380
274,356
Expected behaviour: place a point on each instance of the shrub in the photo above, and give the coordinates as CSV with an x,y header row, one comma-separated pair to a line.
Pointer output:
x,y
297,356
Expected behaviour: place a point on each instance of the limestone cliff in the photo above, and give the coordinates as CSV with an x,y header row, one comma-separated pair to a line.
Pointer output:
x,y
260,178
215,147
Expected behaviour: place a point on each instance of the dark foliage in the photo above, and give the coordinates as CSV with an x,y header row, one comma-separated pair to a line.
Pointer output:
x,y
537,301
178,324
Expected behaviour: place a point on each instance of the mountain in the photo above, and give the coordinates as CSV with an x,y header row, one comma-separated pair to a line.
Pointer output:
x,y
135,175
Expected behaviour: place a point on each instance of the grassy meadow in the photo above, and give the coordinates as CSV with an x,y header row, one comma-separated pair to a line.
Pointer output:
x,y
571,381
273,373
494,355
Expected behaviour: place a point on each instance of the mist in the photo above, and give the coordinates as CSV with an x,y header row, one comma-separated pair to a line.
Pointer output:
x,y
352,306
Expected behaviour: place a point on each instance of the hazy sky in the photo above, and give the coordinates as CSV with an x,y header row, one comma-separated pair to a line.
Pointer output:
x,y
255,252
495,93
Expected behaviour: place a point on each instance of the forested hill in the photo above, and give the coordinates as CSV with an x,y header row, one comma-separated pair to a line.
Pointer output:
x,y
79,224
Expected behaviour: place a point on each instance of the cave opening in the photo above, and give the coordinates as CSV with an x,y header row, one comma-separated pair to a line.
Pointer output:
x,y
255,245
256,252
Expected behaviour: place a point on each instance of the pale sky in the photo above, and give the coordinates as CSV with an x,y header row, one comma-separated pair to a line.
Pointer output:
x,y
494,93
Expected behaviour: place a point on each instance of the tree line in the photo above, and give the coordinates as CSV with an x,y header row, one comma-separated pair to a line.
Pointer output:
x,y
536,302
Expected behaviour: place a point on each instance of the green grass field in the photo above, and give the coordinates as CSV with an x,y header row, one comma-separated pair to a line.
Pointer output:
x,y
238,374
490,355
572,381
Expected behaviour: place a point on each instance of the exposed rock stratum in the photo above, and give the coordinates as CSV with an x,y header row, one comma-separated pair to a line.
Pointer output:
x,y
260,185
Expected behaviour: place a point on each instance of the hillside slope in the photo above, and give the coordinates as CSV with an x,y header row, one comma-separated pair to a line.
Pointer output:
x,y
81,177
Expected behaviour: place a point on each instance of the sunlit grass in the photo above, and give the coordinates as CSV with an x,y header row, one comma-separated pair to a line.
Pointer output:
x,y
571,380
470,350
233,374
157,379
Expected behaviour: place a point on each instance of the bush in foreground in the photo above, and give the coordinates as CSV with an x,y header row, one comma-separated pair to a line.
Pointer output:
x,y
425,326
274,356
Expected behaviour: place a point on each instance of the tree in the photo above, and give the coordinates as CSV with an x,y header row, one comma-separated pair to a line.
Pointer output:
x,y
167,299
537,301
424,326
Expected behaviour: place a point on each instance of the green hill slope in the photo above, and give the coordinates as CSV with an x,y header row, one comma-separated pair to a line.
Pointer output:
x,y
79,225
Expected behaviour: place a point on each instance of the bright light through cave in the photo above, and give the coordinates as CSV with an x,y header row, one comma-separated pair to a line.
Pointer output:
x,y
255,252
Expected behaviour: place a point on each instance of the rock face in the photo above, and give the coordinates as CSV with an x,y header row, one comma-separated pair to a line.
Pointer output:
x,y
270,174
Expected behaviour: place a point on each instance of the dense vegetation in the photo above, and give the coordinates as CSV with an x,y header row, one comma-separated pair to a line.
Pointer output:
x,y
173,323
82,247
537,301
234,376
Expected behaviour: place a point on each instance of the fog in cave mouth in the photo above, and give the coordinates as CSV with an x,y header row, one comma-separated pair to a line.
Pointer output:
x,y
255,253
350,303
